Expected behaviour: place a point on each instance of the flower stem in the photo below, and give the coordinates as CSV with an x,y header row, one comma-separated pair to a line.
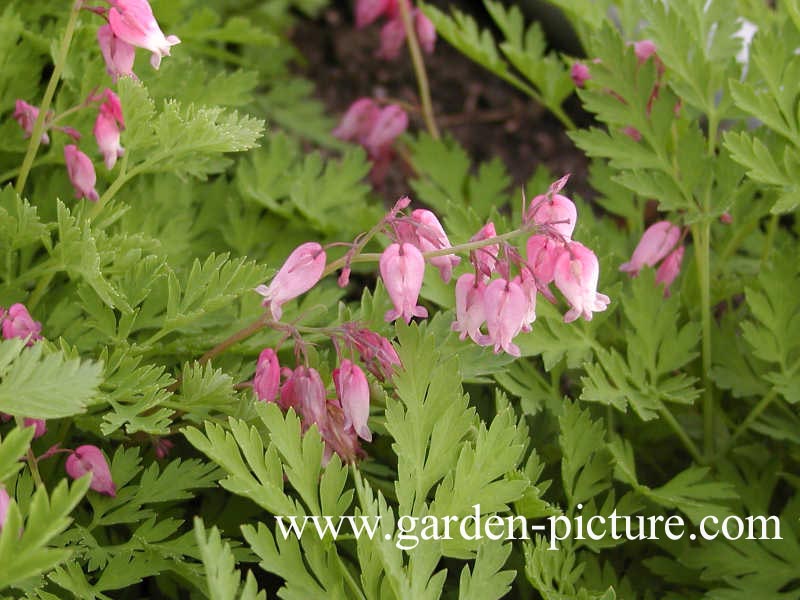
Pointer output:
x,y
237,337
30,457
754,413
702,234
38,127
419,71
690,446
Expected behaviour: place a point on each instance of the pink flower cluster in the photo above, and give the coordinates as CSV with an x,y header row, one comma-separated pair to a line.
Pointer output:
x,y
131,24
393,33
506,304
375,129
491,296
340,419
107,129
660,241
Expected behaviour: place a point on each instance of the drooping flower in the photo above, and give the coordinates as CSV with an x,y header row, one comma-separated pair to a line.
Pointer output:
x,y
656,242
576,275
358,122
339,437
26,116
669,269
352,390
425,30
308,393
402,268
107,129
390,123
528,284
393,36
81,173
470,308
506,309
484,259
427,234
89,459
301,271
162,447
374,350
39,426
580,74
118,55
5,501
18,323
133,22
369,11
267,380
542,253
554,211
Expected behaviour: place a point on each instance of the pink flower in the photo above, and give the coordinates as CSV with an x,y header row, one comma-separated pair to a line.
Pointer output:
x,y
644,49
402,269
580,74
576,275
670,268
426,32
118,55
555,212
107,129
543,252
726,218
391,122
89,459
301,271
308,395
26,116
484,259
656,242
528,284
267,381
369,11
81,173
133,22
393,36
18,323
39,425
506,309
427,234
470,308
352,390
358,122
5,501
375,351
162,446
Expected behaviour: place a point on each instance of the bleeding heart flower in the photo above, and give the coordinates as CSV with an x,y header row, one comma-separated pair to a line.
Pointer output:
x,y
81,173
656,242
352,390
89,459
402,269
301,271
576,275
133,22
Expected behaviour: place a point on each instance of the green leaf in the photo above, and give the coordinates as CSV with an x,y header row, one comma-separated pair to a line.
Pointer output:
x,y
31,552
44,385
222,576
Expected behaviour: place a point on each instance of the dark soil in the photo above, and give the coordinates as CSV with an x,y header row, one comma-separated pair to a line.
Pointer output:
x,y
486,115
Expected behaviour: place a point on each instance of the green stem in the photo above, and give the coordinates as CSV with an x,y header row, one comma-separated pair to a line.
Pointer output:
x,y
237,337
754,413
702,235
419,71
38,128
39,290
123,177
682,435
30,457
770,239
